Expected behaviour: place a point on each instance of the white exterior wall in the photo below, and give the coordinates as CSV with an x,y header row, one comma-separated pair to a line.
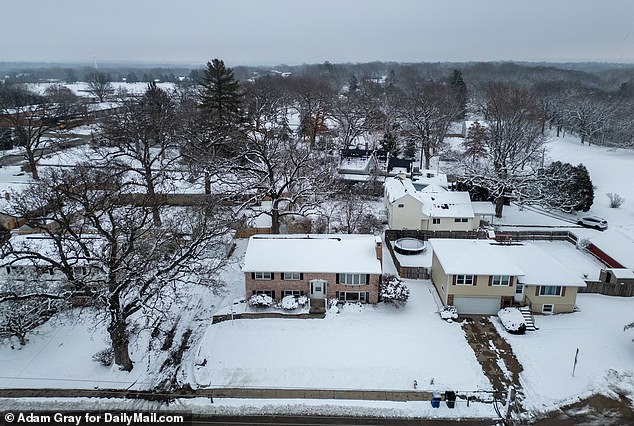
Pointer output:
x,y
449,224
406,217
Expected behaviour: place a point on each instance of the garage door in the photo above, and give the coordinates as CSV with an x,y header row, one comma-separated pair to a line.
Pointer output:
x,y
477,305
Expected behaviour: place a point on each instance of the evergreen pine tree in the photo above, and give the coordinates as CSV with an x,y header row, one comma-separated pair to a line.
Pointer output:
x,y
460,89
583,188
220,97
475,142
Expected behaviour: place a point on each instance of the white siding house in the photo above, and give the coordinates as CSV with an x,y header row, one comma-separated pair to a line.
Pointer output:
x,y
431,208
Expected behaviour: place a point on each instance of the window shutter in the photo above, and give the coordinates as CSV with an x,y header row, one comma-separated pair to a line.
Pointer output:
x,y
301,275
490,280
252,275
563,291
337,278
272,275
454,280
281,276
474,278
510,281
536,290
367,278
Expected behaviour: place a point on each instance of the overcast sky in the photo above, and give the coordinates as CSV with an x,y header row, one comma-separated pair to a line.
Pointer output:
x,y
313,31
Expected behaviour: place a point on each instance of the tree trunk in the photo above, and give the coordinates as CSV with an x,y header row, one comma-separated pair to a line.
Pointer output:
x,y
207,183
151,193
120,343
32,165
275,219
499,205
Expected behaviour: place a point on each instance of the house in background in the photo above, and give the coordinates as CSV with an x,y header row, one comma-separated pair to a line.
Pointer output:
x,y
17,270
431,208
483,276
345,267
359,165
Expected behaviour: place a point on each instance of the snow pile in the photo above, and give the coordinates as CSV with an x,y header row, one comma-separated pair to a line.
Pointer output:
x,y
449,313
513,320
261,300
289,303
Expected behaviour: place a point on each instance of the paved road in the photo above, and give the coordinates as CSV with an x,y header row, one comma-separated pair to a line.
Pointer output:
x,y
330,420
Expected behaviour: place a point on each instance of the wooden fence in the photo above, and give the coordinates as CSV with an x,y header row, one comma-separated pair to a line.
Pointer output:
x,y
615,289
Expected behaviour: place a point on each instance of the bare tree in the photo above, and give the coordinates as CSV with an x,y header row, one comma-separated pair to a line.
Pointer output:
x,y
138,268
143,138
31,116
99,85
274,164
514,143
426,111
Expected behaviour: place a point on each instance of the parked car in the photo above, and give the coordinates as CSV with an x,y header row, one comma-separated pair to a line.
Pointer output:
x,y
512,320
593,222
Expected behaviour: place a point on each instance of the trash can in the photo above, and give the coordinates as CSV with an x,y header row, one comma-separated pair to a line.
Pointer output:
x,y
450,399
435,400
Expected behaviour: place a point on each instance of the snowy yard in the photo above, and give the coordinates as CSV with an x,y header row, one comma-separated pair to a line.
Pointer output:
x,y
362,347
606,353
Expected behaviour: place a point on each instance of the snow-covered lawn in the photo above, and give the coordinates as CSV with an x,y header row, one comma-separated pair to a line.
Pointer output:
x,y
606,353
611,170
362,347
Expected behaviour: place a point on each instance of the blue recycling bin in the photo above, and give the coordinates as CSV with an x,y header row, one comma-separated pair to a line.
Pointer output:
x,y
435,400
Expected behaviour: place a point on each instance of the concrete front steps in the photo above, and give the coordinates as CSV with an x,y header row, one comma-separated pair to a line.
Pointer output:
x,y
528,318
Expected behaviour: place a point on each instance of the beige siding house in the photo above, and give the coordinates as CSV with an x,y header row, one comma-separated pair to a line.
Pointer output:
x,y
431,208
345,267
483,276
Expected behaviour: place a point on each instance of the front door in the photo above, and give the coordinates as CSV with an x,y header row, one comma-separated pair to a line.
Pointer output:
x,y
519,293
318,289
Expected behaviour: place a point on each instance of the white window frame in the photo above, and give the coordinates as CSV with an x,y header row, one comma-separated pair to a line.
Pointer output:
x,y
501,280
464,279
464,220
519,288
552,308
558,290
352,279
268,276
292,276
435,221
295,293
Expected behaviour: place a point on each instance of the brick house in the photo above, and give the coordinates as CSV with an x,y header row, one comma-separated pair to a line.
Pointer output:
x,y
345,267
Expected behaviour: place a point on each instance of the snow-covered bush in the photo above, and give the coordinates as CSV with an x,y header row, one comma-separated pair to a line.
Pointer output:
x,y
260,300
392,290
449,313
302,300
289,303
104,357
616,200
512,320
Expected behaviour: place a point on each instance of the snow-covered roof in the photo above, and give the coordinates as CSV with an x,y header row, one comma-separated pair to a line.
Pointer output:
x,y
330,253
622,273
428,177
618,243
446,204
484,208
435,200
43,245
531,263
396,188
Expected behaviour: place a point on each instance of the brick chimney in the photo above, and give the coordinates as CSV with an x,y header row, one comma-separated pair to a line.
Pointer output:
x,y
379,249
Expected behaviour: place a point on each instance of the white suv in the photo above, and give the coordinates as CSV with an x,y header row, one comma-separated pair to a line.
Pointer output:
x,y
593,222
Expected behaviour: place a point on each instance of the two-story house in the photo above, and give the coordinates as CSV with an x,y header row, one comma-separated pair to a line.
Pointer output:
x,y
482,276
345,267
431,208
